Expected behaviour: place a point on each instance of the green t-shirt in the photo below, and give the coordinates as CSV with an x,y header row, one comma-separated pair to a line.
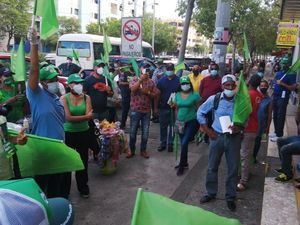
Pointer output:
x,y
187,108
16,112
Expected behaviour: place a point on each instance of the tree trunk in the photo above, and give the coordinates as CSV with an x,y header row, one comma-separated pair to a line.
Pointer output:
x,y
188,16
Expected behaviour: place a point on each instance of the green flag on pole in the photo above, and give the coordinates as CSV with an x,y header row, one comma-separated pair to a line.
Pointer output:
x,y
75,55
107,47
46,10
294,68
154,209
13,61
179,66
135,66
242,103
246,48
42,156
19,63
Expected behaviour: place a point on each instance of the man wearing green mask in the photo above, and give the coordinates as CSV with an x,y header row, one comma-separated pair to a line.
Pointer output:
x,y
284,84
166,85
9,98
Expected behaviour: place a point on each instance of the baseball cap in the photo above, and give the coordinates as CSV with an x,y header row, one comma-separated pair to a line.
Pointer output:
x,y
70,57
43,64
98,62
48,72
184,80
23,201
74,78
4,71
228,78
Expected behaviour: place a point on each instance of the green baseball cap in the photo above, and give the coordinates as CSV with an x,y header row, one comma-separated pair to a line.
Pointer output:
x,y
48,72
184,80
97,62
75,78
43,64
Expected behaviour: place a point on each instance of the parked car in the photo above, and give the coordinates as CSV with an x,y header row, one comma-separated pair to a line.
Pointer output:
x,y
190,62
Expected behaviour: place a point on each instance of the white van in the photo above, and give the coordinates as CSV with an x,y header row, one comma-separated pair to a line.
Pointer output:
x,y
89,47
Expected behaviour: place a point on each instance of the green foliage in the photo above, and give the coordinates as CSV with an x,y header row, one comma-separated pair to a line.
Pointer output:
x,y
112,27
15,18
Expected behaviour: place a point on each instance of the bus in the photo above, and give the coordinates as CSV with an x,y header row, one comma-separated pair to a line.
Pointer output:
x,y
90,47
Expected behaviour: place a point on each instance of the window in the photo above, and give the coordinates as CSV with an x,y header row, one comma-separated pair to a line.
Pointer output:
x,y
114,8
65,48
96,16
76,11
98,50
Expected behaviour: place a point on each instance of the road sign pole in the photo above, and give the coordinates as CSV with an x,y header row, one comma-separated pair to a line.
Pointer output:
x,y
153,26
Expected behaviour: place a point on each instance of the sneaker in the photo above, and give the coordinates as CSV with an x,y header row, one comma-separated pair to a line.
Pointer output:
x,y
282,178
274,139
160,148
206,198
180,171
130,154
186,166
240,187
272,135
84,195
231,206
278,170
145,154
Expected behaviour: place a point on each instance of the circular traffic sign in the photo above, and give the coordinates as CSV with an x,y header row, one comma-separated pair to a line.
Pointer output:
x,y
131,30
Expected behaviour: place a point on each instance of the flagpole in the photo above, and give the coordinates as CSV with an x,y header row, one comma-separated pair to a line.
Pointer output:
x,y
32,21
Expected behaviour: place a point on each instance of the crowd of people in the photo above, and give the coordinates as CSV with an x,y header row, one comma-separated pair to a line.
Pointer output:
x,y
183,105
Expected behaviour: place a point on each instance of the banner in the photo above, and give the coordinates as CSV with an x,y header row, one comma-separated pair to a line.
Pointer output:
x,y
287,34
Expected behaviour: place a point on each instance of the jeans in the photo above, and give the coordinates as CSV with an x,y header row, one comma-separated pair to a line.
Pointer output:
x,y
288,147
137,118
190,129
279,112
166,127
125,109
230,144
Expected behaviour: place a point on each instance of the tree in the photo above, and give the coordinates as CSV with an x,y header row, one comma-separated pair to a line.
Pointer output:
x,y
15,18
112,28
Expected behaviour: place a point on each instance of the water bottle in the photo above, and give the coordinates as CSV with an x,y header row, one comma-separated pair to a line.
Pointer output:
x,y
26,125
9,148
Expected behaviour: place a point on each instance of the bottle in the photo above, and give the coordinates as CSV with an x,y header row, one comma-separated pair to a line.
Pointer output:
x,y
26,125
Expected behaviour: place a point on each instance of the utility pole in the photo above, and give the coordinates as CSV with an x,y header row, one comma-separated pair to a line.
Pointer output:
x,y
134,8
185,31
99,11
222,23
123,3
153,25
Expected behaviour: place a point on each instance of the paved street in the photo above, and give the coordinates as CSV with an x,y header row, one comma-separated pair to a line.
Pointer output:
x,y
112,197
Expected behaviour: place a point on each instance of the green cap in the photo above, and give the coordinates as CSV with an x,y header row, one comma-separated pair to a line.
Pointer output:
x,y
48,72
97,62
74,78
43,64
184,80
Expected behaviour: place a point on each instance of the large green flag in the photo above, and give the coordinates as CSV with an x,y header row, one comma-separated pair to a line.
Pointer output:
x,y
107,47
18,63
43,155
246,48
179,66
242,103
154,209
294,68
46,10
135,66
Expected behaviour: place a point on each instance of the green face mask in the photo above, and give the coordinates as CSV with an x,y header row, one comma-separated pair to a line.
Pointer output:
x,y
8,81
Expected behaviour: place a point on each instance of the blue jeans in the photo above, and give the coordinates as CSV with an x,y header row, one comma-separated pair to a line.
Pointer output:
x,y
190,129
288,147
137,118
279,112
166,128
231,145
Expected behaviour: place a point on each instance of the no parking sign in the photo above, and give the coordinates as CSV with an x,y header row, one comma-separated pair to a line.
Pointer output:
x,y
132,37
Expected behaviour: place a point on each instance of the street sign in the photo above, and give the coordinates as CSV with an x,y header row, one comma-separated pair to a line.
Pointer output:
x,y
131,37
287,34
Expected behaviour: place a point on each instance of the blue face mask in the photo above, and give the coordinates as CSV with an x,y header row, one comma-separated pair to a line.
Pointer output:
x,y
214,73
169,73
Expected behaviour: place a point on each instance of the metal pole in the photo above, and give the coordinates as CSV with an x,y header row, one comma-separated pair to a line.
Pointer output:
x,y
185,31
153,26
134,8
99,11
222,21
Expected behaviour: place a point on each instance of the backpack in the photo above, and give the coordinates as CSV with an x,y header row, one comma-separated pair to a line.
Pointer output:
x,y
211,114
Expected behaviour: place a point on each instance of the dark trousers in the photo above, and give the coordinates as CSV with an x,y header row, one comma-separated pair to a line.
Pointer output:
x,y
230,145
137,118
279,113
190,129
166,127
79,142
288,147
125,109
50,184
256,146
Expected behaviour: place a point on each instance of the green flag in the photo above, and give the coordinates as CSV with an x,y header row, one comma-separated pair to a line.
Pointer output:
x,y
75,55
13,61
46,10
179,66
294,68
154,209
43,155
242,103
107,47
19,63
135,66
246,48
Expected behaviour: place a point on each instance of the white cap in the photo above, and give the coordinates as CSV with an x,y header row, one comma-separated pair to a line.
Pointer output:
x,y
227,78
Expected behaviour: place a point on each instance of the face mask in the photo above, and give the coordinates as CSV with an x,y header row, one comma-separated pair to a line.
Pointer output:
x,y
115,65
77,88
196,72
229,93
100,71
261,74
8,81
263,90
53,87
185,87
214,73
169,73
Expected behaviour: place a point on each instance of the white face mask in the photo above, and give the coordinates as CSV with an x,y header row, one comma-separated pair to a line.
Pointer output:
x,y
186,87
53,87
229,93
78,89
100,70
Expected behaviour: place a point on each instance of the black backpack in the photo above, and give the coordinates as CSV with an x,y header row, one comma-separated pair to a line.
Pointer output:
x,y
211,114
